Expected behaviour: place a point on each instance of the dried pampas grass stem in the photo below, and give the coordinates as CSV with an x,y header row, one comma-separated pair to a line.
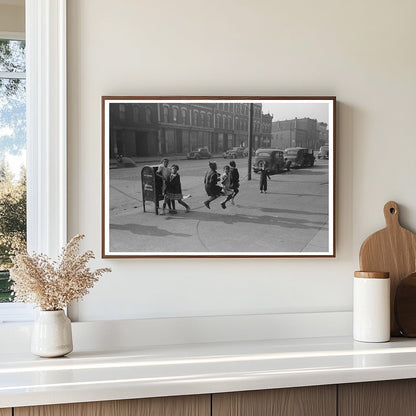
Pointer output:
x,y
53,285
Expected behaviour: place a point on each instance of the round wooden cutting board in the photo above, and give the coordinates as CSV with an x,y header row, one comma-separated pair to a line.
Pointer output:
x,y
392,250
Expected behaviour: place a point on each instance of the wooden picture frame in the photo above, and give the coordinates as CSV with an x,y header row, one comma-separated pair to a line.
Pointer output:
x,y
292,142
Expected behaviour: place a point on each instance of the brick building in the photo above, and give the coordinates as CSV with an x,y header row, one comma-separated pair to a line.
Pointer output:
x,y
323,135
166,128
298,132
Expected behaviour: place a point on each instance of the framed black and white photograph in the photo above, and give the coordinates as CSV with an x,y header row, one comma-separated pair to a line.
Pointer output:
x,y
218,176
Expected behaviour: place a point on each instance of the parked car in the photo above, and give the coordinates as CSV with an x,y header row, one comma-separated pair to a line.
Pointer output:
x,y
299,157
234,153
323,152
125,162
272,159
201,153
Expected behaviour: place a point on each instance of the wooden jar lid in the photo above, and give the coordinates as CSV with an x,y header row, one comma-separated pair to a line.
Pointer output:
x,y
372,275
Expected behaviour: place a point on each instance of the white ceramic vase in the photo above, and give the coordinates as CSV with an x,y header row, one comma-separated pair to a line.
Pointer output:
x,y
52,334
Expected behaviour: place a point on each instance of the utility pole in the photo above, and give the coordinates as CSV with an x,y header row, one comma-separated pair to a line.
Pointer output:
x,y
250,140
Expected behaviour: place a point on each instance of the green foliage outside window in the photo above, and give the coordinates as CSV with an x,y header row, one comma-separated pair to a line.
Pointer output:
x,y
12,224
12,146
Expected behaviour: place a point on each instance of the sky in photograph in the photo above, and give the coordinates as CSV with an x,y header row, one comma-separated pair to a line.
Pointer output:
x,y
289,110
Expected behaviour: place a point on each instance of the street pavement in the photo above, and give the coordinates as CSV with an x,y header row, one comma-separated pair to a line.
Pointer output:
x,y
291,218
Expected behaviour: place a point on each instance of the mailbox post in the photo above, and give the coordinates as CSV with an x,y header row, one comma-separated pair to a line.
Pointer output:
x,y
151,187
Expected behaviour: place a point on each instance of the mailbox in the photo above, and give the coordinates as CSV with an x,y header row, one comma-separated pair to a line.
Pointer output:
x,y
151,187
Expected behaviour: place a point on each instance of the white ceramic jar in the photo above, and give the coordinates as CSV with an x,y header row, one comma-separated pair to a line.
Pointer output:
x,y
371,306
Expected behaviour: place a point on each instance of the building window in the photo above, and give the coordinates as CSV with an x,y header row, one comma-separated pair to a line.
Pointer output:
x,y
175,114
203,119
122,110
209,119
183,116
166,114
136,114
148,115
196,118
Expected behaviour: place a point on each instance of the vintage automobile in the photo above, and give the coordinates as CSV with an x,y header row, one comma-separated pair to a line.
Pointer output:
x,y
201,153
234,153
323,152
272,159
299,157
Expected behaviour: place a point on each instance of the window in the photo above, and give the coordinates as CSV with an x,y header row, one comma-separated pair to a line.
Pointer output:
x,y
175,114
13,155
46,136
183,115
122,110
148,115
136,114
165,114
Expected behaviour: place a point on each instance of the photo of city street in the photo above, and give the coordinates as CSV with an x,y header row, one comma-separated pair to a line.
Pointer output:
x,y
283,204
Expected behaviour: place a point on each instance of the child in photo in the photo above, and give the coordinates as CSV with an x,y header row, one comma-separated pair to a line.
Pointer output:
x,y
163,171
263,178
226,186
174,190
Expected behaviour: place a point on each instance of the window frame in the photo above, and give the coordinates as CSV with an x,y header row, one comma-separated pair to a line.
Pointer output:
x,y
46,125
46,138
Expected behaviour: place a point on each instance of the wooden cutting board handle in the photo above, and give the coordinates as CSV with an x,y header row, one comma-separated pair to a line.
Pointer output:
x,y
391,214
393,250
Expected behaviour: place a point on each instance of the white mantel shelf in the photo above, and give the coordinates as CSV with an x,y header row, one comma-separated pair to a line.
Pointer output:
x,y
151,371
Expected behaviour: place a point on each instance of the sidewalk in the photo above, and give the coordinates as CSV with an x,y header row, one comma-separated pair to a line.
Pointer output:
x,y
155,160
290,218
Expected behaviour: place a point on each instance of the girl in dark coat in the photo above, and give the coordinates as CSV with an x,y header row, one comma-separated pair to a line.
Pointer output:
x,y
211,187
263,178
174,189
235,180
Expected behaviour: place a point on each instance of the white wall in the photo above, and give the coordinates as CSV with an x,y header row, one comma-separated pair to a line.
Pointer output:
x,y
12,16
361,51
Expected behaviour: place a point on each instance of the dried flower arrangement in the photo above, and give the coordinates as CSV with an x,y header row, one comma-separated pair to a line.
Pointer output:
x,y
52,285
